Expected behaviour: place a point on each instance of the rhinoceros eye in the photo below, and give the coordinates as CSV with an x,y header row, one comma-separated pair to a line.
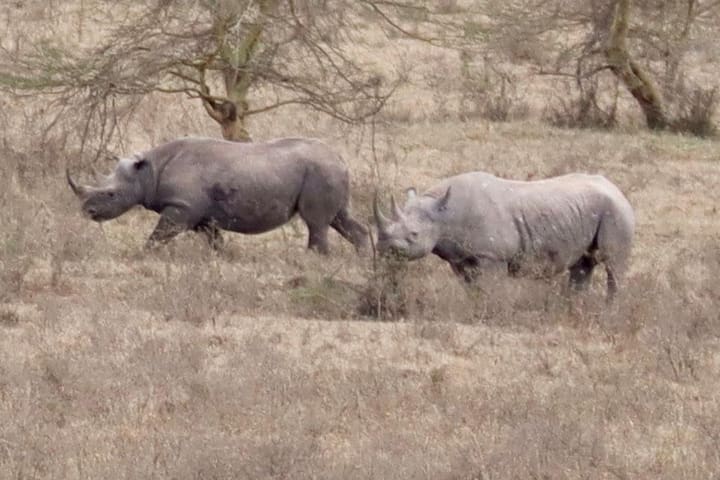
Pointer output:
x,y
111,194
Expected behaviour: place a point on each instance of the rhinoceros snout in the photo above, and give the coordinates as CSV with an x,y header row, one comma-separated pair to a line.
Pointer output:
x,y
91,212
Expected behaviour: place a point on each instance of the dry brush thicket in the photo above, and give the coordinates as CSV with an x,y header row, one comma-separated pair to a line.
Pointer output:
x,y
262,361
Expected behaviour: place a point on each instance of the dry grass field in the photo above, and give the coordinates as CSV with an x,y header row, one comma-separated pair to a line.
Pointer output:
x,y
262,361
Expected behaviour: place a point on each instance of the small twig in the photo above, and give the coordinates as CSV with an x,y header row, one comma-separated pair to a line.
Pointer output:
x,y
374,249
373,149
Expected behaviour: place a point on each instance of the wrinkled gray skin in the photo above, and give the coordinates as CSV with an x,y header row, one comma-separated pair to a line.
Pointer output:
x,y
205,184
476,220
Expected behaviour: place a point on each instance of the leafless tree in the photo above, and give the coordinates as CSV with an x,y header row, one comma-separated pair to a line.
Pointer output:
x,y
644,43
222,52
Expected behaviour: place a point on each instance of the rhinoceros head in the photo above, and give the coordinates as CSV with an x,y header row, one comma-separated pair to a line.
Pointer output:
x,y
414,230
116,193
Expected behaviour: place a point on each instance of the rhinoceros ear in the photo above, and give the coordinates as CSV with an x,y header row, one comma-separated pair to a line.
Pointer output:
x,y
411,193
442,203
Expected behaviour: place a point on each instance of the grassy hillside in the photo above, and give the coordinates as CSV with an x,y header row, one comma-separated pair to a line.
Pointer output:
x,y
260,363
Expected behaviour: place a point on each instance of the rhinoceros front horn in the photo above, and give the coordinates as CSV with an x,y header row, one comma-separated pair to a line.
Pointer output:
x,y
396,212
79,190
380,219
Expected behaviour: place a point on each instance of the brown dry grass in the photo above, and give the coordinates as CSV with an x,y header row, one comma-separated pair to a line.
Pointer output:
x,y
116,363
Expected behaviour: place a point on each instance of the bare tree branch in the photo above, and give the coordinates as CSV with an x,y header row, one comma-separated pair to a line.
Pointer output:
x,y
291,47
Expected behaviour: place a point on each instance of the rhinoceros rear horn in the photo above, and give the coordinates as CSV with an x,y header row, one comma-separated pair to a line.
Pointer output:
x,y
380,219
79,190
443,202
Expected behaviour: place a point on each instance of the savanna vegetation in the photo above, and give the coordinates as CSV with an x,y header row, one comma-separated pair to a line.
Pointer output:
x,y
269,361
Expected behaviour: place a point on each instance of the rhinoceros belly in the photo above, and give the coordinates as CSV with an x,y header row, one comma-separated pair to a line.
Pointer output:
x,y
250,214
253,220
539,264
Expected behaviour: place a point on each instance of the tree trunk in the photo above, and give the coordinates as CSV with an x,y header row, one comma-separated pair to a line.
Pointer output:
x,y
235,131
232,121
629,72
237,56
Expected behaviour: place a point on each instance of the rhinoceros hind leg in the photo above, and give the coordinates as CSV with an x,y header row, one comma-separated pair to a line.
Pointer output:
x,y
581,272
317,204
350,229
317,239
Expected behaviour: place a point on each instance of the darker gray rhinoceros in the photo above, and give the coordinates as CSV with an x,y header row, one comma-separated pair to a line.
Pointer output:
x,y
206,184
475,220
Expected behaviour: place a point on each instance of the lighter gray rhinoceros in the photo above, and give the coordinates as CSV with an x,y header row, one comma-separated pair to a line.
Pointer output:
x,y
571,222
206,184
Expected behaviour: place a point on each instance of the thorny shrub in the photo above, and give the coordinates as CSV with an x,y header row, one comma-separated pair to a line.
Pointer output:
x,y
695,112
584,106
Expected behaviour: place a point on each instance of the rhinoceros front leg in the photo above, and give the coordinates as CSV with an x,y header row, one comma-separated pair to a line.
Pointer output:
x,y
172,222
468,269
